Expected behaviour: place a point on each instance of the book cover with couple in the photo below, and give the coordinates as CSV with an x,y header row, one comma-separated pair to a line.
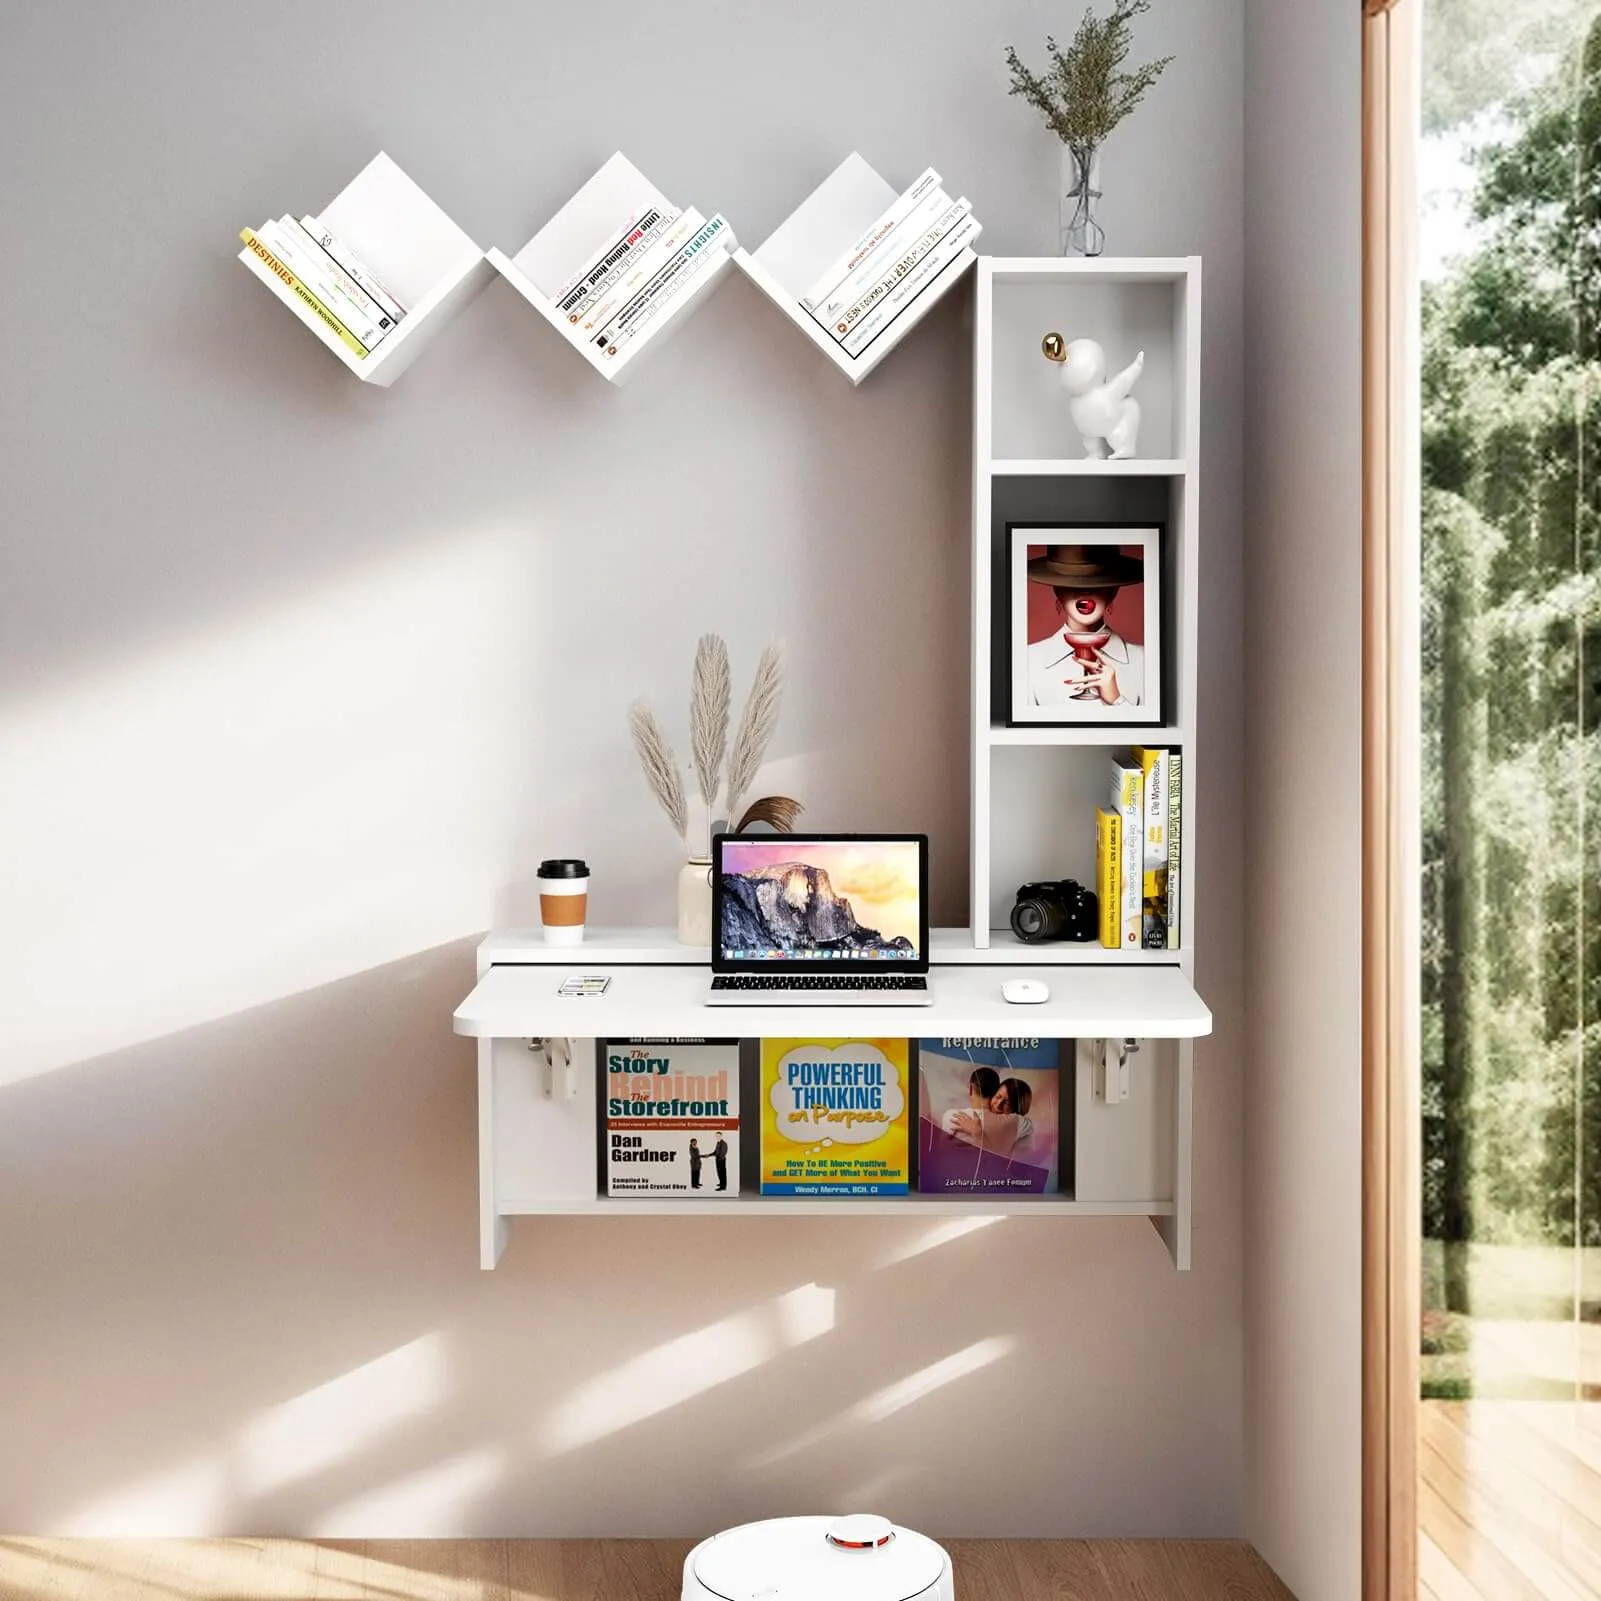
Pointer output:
x,y
672,1118
988,1116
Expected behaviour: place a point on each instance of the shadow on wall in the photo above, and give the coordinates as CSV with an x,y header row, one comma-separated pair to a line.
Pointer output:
x,y
242,1294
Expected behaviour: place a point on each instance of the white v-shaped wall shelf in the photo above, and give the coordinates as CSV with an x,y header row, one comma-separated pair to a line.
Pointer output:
x,y
417,252
434,268
817,233
571,239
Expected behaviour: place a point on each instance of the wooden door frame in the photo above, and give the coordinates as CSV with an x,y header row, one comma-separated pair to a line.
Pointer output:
x,y
1391,822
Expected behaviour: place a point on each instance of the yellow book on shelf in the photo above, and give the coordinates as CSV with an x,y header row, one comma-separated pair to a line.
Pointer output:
x,y
280,271
1128,801
835,1117
1154,764
1108,875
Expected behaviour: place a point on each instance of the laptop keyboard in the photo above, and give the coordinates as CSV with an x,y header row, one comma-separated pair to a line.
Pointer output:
x,y
819,981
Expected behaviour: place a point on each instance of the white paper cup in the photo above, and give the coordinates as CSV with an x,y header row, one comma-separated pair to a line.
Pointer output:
x,y
563,901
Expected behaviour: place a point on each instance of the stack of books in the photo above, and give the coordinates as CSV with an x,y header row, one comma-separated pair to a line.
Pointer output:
x,y
339,289
640,270
1138,855
877,280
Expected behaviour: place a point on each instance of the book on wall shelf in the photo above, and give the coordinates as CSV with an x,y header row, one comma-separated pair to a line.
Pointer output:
x,y
618,265
857,265
374,273
327,277
860,295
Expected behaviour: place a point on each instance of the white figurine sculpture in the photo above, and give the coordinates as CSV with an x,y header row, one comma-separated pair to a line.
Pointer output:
x,y
1105,414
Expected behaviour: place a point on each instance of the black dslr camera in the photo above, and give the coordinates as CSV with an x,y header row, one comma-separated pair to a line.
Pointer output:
x,y
1056,910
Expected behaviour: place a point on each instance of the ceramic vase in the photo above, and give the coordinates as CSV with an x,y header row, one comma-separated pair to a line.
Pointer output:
x,y
695,901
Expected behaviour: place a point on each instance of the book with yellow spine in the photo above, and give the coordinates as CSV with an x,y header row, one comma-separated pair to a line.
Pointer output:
x,y
1154,916
1108,873
1128,801
290,281
1175,847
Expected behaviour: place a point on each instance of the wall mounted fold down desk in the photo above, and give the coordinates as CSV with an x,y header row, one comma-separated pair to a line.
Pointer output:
x,y
538,1070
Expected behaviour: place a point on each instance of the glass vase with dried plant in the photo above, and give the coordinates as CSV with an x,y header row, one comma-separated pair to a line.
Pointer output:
x,y
1087,90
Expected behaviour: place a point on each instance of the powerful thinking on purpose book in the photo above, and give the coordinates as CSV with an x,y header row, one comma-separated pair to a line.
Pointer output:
x,y
988,1116
672,1118
834,1117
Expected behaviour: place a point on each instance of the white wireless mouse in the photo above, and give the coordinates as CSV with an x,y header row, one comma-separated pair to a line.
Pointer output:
x,y
1024,991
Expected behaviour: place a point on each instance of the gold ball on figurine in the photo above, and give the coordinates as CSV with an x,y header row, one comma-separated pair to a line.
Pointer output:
x,y
1054,347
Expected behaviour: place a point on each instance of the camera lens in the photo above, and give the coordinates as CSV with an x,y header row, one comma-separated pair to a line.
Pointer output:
x,y
1035,920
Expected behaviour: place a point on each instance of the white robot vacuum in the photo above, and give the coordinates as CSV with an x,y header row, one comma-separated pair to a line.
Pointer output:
x,y
859,1558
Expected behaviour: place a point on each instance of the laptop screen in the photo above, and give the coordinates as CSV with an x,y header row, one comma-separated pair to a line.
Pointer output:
x,y
821,900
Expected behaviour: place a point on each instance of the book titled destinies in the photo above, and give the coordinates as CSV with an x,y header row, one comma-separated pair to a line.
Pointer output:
x,y
834,1117
672,1118
988,1116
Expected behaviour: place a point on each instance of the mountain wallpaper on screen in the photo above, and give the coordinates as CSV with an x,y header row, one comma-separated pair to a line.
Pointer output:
x,y
791,906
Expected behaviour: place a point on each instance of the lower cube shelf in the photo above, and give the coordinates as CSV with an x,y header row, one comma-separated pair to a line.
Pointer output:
x,y
1123,1152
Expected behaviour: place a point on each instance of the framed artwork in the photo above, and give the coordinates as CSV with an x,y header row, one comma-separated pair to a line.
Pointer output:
x,y
1086,624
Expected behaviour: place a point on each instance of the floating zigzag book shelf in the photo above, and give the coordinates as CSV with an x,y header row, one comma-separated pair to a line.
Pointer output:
x,y
435,269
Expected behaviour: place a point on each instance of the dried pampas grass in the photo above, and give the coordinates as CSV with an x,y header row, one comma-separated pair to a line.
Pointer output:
x,y
756,726
709,694
661,766
709,700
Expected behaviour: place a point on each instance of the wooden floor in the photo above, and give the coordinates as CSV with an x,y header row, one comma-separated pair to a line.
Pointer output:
x,y
1510,1501
585,1570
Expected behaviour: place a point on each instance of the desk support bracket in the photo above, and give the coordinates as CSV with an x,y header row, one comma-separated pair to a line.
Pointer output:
x,y
558,1077
1111,1069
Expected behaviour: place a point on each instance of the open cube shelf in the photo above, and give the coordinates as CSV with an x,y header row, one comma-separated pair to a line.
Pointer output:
x,y
1111,501
573,237
1124,306
425,260
816,234
1042,813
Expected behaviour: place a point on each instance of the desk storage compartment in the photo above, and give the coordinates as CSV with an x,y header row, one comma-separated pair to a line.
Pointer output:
x,y
543,1144
1123,1150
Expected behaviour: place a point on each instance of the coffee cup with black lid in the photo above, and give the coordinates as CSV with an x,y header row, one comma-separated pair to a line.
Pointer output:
x,y
563,899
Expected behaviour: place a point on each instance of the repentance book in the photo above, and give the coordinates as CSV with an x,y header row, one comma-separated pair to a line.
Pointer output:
x,y
672,1118
834,1117
988,1116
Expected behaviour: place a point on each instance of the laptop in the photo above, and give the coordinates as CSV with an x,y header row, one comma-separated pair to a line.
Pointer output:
x,y
819,920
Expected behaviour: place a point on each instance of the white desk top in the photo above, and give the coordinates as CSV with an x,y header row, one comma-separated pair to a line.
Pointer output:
x,y
632,947
515,1001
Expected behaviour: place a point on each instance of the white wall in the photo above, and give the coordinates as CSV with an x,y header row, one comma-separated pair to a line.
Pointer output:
x,y
1303,820
299,679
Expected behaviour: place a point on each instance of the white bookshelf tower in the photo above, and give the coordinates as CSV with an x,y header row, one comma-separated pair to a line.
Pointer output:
x,y
1035,790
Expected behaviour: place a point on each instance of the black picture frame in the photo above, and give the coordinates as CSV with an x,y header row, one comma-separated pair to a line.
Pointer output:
x,y
1148,660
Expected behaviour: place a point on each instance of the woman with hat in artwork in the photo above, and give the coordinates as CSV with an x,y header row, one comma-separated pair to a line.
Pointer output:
x,y
1085,659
